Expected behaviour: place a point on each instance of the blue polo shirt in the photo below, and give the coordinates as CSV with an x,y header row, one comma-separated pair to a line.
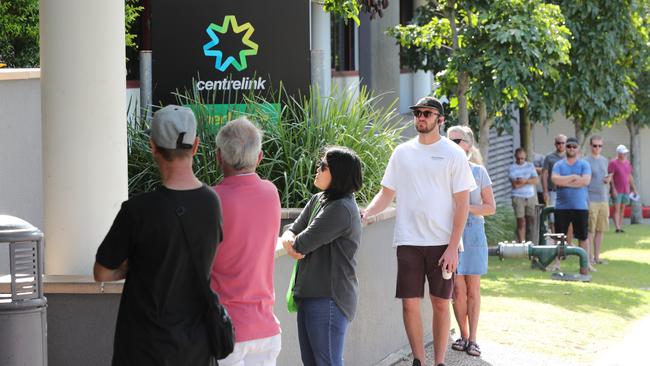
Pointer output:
x,y
570,198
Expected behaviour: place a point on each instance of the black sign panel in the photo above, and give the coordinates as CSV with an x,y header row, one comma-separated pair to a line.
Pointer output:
x,y
229,48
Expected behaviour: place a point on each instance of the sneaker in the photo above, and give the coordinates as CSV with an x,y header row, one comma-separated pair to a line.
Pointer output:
x,y
416,362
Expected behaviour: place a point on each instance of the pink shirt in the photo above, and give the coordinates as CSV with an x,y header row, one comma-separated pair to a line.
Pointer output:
x,y
621,177
242,272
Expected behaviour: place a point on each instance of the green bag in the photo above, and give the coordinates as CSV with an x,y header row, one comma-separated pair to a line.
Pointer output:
x,y
292,307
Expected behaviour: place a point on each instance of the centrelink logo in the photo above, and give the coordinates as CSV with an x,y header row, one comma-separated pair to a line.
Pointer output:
x,y
239,64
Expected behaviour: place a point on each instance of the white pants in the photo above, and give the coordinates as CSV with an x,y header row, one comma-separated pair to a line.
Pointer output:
x,y
256,352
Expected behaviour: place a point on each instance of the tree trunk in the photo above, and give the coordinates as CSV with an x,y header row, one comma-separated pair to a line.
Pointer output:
x,y
484,132
635,159
463,78
463,85
578,132
525,134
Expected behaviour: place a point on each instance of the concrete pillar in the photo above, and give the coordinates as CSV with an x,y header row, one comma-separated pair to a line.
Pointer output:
x,y
321,49
379,54
84,128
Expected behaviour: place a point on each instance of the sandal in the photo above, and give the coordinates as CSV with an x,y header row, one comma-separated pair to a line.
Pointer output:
x,y
460,344
473,349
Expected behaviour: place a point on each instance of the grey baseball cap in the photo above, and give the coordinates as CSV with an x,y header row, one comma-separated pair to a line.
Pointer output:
x,y
173,127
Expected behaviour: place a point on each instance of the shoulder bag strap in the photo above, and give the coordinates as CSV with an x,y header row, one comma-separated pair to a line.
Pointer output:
x,y
209,295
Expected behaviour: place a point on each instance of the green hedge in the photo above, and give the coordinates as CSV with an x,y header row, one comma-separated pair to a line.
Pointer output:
x,y
500,226
295,135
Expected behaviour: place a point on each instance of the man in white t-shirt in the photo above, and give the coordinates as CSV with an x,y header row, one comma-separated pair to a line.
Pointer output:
x,y
431,179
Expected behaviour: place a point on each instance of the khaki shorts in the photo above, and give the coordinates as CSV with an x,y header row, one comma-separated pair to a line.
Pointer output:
x,y
524,206
598,216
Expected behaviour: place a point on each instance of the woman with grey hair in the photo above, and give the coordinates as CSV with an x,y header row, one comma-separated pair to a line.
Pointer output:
x,y
472,262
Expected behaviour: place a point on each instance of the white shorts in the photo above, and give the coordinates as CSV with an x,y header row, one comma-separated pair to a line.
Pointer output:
x,y
256,352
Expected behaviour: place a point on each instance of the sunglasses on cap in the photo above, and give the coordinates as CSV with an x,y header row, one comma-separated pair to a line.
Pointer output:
x,y
426,114
572,146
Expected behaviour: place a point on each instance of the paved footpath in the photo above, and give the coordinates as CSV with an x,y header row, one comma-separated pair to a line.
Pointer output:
x,y
629,351
493,354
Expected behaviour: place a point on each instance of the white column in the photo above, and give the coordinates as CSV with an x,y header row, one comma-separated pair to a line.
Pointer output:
x,y
321,49
84,128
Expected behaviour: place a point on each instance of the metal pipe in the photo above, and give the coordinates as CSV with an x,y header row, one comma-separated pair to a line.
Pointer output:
x,y
543,254
543,227
145,84
584,260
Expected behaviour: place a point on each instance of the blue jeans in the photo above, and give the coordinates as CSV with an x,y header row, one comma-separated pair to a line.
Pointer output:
x,y
321,332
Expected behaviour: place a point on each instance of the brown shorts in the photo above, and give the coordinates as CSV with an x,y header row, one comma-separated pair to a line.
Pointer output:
x,y
413,264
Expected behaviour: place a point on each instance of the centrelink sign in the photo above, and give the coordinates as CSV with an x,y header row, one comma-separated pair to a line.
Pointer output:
x,y
228,49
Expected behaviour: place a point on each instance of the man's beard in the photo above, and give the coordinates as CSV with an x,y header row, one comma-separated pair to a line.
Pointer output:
x,y
572,154
426,128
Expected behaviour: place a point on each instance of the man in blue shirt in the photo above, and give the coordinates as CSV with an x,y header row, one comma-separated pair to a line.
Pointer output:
x,y
571,177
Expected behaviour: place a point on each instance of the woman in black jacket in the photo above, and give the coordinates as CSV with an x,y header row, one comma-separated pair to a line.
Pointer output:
x,y
325,238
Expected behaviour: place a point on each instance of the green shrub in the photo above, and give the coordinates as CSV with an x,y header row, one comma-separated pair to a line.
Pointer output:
x,y
500,226
19,31
294,138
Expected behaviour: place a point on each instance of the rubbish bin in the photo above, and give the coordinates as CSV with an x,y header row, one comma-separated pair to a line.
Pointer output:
x,y
23,321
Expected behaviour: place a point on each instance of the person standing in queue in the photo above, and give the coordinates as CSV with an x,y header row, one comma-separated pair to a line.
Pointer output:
x,y
431,179
324,239
473,260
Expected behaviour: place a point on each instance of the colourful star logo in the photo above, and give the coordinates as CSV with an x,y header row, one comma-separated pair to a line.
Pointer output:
x,y
221,64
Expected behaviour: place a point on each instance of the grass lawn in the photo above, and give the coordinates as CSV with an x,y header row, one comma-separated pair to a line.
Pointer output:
x,y
524,308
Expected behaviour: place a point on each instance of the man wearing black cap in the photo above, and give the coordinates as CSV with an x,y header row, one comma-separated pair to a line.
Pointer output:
x,y
431,178
571,177
160,320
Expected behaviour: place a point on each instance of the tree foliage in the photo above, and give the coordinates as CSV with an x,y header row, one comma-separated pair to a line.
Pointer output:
x,y
515,54
597,85
506,51
350,9
19,31
640,63
132,10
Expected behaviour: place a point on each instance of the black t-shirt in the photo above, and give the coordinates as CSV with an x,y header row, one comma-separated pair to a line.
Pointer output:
x,y
160,319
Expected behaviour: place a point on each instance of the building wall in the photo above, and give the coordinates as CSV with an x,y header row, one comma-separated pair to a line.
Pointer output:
x,y
21,176
81,323
543,138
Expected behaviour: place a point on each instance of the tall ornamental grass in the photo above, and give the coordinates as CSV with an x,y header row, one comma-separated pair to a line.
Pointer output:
x,y
295,135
